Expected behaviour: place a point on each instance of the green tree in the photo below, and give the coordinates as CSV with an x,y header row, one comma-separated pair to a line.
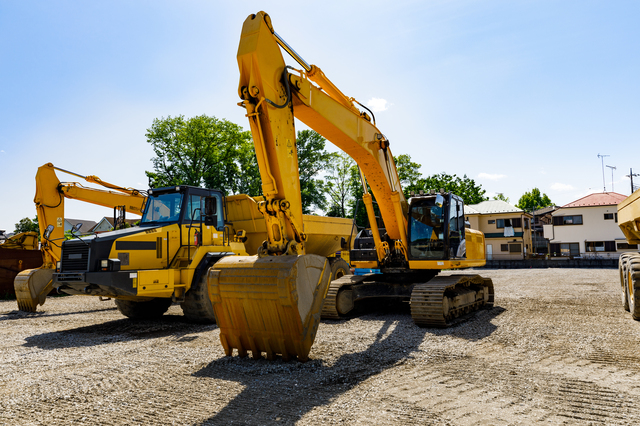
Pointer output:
x,y
339,185
464,187
27,225
312,159
202,151
533,200
409,174
500,196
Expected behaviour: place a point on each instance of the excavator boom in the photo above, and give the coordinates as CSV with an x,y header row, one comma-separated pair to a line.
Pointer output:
x,y
251,294
33,285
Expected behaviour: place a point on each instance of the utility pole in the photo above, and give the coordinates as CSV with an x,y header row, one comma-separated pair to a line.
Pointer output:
x,y
603,182
612,169
632,175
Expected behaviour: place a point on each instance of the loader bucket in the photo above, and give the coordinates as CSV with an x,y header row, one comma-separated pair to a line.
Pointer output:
x,y
270,304
32,287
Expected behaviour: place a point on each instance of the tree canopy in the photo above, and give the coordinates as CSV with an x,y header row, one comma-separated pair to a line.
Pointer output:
x,y
500,196
26,225
312,159
339,186
533,200
202,151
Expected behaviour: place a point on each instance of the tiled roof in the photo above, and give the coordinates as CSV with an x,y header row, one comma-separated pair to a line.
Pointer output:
x,y
495,206
470,210
598,199
546,210
86,224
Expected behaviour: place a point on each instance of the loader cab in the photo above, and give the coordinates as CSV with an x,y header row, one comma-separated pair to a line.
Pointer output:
x,y
182,205
436,227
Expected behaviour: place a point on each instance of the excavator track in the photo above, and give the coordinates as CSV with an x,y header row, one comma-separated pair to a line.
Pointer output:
x,y
339,301
445,300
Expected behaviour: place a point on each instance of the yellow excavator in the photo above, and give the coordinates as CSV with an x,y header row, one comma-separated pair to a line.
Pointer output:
x,y
33,285
272,303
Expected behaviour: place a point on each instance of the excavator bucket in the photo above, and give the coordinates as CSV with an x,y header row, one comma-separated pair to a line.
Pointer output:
x,y
32,287
269,304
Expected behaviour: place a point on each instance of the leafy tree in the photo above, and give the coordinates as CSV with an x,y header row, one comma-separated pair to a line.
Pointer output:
x,y
339,185
202,151
533,200
464,187
500,196
27,225
312,159
409,174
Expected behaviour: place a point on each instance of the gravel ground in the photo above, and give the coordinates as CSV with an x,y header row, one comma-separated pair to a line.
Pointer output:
x,y
557,348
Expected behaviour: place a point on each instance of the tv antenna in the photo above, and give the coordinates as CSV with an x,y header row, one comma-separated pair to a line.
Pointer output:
x,y
632,175
603,182
612,169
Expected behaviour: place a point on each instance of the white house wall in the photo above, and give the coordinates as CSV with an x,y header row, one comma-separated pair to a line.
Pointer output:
x,y
593,228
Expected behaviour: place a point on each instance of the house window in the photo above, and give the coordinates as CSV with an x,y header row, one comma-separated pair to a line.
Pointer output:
x,y
627,246
526,223
565,249
567,220
491,221
516,223
504,247
594,246
501,223
608,216
515,248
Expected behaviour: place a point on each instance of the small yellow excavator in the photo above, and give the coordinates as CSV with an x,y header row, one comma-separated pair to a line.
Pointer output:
x,y
33,285
272,303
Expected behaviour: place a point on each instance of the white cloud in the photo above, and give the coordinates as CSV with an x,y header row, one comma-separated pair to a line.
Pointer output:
x,y
377,104
494,176
562,187
1,150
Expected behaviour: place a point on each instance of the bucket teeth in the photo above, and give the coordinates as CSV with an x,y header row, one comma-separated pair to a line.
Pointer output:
x,y
268,305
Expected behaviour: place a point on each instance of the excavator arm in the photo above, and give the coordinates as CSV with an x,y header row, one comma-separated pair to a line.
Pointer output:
x,y
33,285
272,97
270,302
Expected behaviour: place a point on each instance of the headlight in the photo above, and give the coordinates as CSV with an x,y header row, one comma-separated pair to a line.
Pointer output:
x,y
58,266
110,264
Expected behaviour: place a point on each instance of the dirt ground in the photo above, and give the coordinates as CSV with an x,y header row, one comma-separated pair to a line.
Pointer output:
x,y
557,348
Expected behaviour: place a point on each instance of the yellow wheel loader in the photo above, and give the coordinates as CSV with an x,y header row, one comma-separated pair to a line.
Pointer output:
x,y
33,285
272,302
629,262
166,258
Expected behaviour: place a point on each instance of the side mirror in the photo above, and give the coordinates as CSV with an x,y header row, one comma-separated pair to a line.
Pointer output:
x,y
211,211
75,227
47,232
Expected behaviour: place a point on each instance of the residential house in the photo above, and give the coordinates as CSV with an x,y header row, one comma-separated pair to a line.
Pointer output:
x,y
588,228
106,224
540,218
86,227
506,229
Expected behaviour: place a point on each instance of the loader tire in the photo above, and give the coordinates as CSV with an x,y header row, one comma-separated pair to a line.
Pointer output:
x,y
633,286
197,306
339,268
622,268
150,309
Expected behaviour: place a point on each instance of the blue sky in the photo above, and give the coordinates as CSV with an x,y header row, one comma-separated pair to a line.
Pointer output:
x,y
514,94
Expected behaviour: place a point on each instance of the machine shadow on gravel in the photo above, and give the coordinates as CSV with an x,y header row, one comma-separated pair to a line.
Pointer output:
x,y
16,315
118,331
278,392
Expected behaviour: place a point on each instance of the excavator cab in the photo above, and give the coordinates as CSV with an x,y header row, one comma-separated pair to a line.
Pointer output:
x,y
436,227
